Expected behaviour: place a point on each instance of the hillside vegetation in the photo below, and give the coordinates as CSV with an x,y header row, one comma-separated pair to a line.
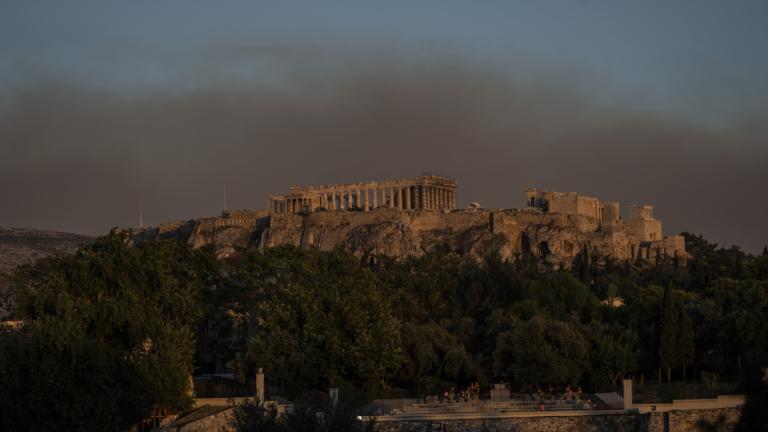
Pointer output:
x,y
116,329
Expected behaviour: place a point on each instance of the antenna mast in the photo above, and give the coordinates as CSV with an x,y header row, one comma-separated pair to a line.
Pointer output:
x,y
226,201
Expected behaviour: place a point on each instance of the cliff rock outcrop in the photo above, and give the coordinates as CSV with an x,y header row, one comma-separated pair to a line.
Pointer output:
x,y
553,237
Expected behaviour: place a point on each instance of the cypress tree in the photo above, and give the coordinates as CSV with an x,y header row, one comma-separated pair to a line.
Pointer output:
x,y
668,344
686,346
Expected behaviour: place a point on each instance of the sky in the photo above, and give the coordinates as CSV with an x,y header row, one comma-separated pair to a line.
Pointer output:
x,y
107,106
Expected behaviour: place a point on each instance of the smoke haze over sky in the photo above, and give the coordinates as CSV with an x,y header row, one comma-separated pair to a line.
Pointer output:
x,y
103,106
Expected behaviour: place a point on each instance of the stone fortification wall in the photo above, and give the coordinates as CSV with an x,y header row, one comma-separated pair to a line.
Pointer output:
x,y
229,232
589,423
556,238
381,231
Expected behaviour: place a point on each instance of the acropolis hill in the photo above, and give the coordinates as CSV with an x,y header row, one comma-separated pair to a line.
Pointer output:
x,y
412,216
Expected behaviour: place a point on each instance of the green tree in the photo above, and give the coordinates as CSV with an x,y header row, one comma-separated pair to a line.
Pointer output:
x,y
614,352
434,357
670,331
107,337
677,345
541,351
319,320
254,416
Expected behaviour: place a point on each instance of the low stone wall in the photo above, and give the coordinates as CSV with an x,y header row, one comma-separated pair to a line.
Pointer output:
x,y
673,421
588,423
219,422
720,420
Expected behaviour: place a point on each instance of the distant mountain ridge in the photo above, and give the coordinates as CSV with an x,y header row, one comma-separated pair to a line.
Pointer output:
x,y
23,245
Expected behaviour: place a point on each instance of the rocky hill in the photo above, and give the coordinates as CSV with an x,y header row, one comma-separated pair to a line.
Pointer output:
x,y
21,245
554,238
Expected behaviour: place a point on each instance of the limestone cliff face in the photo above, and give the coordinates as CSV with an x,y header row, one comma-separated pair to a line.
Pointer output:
x,y
555,238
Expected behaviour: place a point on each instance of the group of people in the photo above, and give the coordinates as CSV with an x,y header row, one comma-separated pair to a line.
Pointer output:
x,y
470,393
571,393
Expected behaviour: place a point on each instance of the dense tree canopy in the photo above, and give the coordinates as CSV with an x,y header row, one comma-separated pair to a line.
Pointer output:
x,y
107,336
120,328
317,319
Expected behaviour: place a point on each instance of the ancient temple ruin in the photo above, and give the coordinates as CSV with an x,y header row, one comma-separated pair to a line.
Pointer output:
x,y
412,216
429,192
642,230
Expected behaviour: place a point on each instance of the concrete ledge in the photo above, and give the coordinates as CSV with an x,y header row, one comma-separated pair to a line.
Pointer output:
x,y
692,404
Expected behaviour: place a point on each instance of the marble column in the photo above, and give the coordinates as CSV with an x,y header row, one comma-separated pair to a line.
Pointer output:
x,y
407,198
375,192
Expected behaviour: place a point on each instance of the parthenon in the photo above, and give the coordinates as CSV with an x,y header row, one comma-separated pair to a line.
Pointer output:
x,y
429,192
